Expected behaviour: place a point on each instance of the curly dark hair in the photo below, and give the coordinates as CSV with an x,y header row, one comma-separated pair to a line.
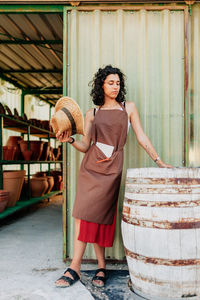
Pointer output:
x,y
97,92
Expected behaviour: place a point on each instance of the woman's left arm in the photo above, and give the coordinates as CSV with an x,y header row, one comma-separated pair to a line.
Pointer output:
x,y
142,139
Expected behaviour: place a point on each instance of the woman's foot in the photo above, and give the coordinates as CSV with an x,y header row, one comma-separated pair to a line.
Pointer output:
x,y
100,277
70,277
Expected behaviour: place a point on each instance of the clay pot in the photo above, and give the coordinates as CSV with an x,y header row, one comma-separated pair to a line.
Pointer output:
x,y
9,152
40,174
45,151
57,153
50,181
39,185
13,182
27,154
45,124
36,147
13,141
51,154
4,198
2,109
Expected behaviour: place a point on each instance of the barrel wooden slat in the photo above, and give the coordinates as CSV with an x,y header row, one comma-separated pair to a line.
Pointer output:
x,y
161,232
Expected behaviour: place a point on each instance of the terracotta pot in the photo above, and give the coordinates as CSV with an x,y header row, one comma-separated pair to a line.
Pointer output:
x,y
2,109
57,153
13,141
40,174
13,182
4,198
50,181
45,151
9,152
23,145
57,175
36,147
27,154
59,186
38,186
45,124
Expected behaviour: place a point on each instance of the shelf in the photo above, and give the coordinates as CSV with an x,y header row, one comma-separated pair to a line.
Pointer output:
x,y
22,204
11,123
25,162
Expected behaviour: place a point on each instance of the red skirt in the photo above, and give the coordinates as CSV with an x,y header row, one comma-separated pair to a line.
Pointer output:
x,y
101,234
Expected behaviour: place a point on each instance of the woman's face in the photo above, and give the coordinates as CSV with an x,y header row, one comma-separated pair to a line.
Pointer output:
x,y
111,86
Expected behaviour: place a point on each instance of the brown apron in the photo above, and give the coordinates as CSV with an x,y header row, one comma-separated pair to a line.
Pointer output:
x,y
99,177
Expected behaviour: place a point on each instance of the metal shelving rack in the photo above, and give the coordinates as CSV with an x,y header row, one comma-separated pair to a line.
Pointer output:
x,y
11,123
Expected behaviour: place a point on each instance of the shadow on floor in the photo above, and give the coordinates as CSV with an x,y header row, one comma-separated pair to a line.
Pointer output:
x,y
116,285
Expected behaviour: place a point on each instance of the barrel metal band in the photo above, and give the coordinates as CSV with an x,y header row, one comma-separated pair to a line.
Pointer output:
x,y
186,203
166,181
161,261
162,224
71,119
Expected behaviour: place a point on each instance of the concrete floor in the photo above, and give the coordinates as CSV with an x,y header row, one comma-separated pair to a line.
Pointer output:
x,y
31,256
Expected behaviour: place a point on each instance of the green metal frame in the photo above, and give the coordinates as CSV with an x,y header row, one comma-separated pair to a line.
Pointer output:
x,y
21,204
30,8
65,146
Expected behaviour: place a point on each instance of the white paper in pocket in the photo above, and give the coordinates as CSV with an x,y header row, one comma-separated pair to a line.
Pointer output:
x,y
106,149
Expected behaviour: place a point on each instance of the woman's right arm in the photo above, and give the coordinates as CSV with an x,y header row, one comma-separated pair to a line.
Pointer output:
x,y
84,144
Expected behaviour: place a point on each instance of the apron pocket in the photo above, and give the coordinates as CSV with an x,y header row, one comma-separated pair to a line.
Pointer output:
x,y
97,161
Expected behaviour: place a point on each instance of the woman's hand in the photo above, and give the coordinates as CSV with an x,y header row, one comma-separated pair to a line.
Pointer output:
x,y
84,144
161,164
63,137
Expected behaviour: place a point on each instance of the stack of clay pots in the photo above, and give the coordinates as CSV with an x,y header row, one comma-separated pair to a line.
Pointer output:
x,y
41,184
4,198
13,182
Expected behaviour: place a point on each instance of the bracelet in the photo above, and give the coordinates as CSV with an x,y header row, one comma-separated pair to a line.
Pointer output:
x,y
73,140
157,158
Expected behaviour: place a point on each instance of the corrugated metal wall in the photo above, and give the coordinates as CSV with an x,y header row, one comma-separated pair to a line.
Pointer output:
x,y
194,153
149,48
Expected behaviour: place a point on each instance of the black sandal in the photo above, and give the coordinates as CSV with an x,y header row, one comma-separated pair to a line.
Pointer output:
x,y
67,279
101,278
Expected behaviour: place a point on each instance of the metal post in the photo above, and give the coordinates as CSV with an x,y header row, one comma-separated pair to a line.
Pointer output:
x,y
186,96
22,103
1,152
65,152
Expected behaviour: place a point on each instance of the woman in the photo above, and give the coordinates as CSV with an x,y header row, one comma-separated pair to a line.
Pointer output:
x,y
100,172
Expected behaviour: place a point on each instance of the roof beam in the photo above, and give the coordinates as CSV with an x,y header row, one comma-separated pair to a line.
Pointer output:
x,y
43,91
30,8
20,71
12,81
30,42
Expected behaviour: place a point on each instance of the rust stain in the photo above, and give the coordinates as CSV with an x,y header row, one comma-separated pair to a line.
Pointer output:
x,y
171,181
182,224
126,210
163,190
188,203
162,261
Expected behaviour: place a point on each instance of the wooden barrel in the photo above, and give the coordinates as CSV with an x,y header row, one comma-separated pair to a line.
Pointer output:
x,y
161,232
